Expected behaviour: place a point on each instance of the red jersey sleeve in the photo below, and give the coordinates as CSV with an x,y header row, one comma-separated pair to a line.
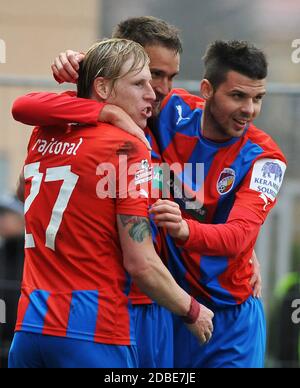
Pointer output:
x,y
133,178
254,200
48,109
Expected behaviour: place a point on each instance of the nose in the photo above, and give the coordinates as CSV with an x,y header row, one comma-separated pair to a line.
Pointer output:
x,y
248,108
164,86
150,94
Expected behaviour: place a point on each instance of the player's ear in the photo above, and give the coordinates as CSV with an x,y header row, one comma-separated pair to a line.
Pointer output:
x,y
102,88
206,89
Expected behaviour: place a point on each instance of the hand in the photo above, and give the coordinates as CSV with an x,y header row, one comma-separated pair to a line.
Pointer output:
x,y
168,214
256,281
66,65
203,327
116,116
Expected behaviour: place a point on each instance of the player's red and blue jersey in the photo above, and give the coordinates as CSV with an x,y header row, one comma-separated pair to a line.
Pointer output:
x,y
240,181
74,283
49,109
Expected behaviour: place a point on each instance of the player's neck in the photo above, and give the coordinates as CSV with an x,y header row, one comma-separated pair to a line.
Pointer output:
x,y
209,129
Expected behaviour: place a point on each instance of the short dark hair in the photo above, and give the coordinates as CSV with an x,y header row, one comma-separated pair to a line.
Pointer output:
x,y
240,56
149,31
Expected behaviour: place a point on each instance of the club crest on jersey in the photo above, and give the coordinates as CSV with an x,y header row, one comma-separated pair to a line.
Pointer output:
x,y
226,181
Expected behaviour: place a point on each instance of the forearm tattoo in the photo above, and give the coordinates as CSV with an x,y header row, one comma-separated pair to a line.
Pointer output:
x,y
139,227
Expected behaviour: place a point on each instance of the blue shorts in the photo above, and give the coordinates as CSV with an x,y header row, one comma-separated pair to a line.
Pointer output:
x,y
154,336
30,350
238,341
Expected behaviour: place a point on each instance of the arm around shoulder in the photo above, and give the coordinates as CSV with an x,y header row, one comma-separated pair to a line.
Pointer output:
x,y
48,109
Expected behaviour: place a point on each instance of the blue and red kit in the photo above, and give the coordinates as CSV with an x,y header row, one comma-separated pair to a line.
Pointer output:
x,y
240,182
237,186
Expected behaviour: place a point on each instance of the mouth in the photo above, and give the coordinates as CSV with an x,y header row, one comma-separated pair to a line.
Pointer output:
x,y
241,123
147,112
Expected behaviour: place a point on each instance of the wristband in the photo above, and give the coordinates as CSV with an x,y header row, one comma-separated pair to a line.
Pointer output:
x,y
193,313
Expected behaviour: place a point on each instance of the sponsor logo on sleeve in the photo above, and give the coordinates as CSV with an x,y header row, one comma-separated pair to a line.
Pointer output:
x,y
267,177
226,181
144,174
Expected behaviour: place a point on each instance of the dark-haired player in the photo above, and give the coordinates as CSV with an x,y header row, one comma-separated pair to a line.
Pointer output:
x,y
243,172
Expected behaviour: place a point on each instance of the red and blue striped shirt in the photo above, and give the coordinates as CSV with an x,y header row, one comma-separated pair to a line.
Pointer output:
x,y
240,181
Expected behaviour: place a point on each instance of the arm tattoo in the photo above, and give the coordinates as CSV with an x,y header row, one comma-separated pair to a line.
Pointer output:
x,y
139,227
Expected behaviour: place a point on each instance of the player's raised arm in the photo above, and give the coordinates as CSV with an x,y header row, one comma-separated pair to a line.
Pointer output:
x,y
48,109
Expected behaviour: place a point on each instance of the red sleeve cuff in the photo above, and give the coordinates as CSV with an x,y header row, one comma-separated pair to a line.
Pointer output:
x,y
189,243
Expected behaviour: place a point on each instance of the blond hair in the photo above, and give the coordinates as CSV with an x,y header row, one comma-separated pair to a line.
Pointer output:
x,y
106,59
